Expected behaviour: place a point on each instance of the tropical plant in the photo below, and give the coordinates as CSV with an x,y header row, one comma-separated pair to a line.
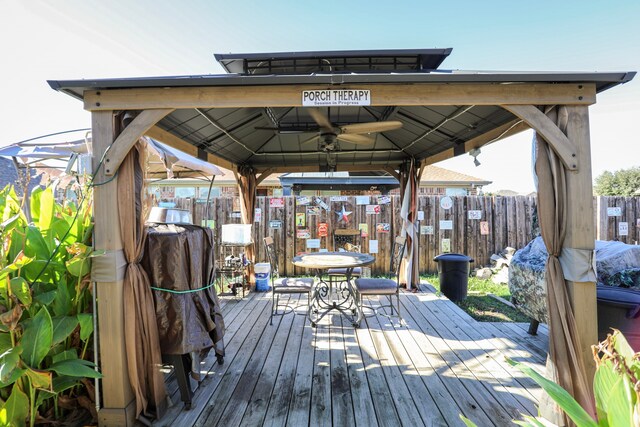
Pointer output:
x,y
46,324
616,387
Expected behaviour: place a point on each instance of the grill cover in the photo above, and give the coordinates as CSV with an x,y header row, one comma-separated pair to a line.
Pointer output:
x,y
180,258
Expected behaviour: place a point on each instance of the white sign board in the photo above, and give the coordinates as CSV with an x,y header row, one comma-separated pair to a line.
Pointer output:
x,y
373,246
475,214
257,215
362,200
336,97
313,243
338,198
623,228
420,215
446,225
446,202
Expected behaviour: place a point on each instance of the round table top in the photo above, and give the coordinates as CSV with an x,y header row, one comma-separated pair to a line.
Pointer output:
x,y
333,260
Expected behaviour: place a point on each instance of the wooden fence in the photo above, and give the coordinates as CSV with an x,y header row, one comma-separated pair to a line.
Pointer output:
x,y
477,226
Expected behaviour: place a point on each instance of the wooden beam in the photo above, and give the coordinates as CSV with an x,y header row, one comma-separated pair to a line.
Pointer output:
x,y
264,175
180,144
564,148
319,168
580,233
413,94
391,171
129,136
508,129
117,395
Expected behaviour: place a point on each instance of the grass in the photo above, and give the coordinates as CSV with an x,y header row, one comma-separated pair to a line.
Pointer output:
x,y
480,305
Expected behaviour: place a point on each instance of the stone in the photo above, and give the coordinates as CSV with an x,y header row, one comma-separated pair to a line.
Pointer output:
x,y
502,277
483,273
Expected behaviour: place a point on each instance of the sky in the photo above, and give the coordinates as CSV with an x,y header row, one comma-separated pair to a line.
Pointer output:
x,y
85,39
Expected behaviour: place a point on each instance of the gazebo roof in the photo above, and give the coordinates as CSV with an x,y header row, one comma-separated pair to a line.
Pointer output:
x,y
270,129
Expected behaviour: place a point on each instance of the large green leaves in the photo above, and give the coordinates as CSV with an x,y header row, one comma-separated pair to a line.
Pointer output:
x,y
9,362
37,338
560,396
20,288
62,327
614,400
75,368
86,325
15,410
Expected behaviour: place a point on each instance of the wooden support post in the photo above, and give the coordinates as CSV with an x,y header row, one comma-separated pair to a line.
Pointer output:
x,y
581,231
118,402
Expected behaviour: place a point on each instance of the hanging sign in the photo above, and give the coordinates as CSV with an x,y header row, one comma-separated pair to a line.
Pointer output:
x,y
446,203
321,203
623,228
362,200
446,245
364,229
257,215
426,229
313,243
303,200
475,214
303,233
211,223
323,229
313,210
300,219
420,215
373,246
235,215
276,202
275,224
337,97
615,211
446,225
372,209
383,227
484,228
338,198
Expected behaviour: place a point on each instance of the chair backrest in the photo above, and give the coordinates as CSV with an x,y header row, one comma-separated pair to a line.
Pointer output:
x,y
272,255
397,252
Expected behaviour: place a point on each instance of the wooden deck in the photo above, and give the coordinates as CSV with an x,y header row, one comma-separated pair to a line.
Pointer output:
x,y
435,365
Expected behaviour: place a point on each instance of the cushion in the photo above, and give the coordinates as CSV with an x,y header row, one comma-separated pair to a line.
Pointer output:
x,y
292,284
376,286
343,271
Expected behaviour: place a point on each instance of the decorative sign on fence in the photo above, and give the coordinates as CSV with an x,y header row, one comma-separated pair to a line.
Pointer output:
x,y
362,200
303,233
383,227
446,203
211,223
300,219
426,229
338,198
420,215
623,229
446,224
373,209
276,202
275,224
318,201
235,215
484,228
257,215
637,222
614,211
323,229
384,200
364,229
445,245
373,246
313,243
302,200
313,210
475,214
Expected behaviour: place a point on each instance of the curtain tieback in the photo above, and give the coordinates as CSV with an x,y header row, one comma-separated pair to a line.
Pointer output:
x,y
109,267
578,265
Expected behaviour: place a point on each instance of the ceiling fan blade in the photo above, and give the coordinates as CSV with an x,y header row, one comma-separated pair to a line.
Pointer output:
x,y
320,118
371,127
309,140
356,139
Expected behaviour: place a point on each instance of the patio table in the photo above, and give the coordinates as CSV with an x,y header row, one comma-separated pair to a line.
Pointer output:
x,y
324,298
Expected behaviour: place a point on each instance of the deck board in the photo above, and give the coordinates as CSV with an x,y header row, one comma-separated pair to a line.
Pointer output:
x,y
427,369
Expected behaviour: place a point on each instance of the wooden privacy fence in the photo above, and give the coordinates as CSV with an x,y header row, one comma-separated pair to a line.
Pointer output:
x,y
477,226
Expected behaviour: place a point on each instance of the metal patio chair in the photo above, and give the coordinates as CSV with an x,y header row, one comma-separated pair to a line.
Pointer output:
x,y
284,285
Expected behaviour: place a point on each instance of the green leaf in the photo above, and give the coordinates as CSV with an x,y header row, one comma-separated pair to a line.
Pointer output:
x,y
75,368
36,247
65,355
5,342
62,327
47,209
78,266
529,421
46,298
467,421
64,382
20,288
559,395
19,262
621,345
10,224
35,204
620,403
43,395
9,361
15,410
37,338
86,325
62,303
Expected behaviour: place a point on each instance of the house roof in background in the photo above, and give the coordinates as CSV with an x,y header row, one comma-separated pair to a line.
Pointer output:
x,y
433,175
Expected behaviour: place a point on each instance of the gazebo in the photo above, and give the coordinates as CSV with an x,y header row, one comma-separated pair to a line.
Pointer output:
x,y
388,110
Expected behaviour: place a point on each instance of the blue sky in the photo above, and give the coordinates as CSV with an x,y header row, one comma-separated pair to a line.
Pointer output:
x,y
91,39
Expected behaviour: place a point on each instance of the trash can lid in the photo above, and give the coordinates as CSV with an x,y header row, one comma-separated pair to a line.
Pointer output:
x,y
622,297
453,257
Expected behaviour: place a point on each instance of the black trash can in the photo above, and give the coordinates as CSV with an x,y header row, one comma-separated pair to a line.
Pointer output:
x,y
453,272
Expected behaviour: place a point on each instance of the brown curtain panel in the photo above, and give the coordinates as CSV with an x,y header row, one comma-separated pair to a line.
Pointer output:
x,y
248,187
409,183
141,331
564,341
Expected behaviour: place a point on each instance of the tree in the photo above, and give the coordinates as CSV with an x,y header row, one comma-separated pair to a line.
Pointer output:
x,y
624,182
